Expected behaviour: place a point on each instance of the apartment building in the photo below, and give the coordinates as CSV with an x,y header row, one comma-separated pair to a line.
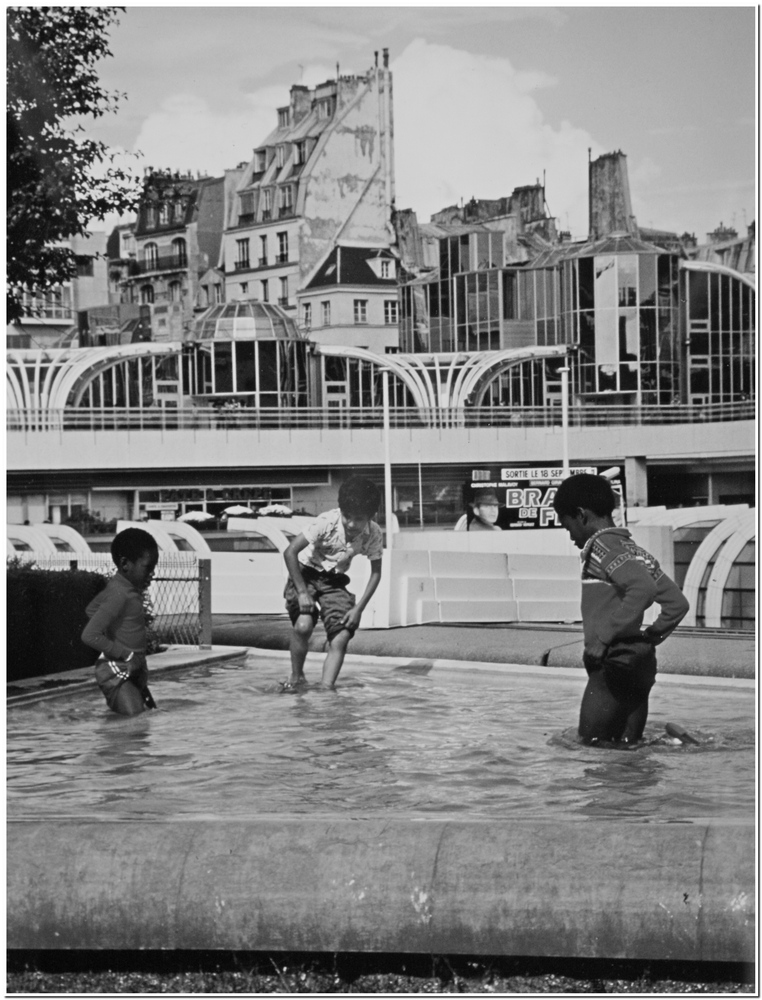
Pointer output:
x,y
323,179
177,243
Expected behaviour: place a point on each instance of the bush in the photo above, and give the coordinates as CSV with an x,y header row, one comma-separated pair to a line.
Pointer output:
x,y
45,618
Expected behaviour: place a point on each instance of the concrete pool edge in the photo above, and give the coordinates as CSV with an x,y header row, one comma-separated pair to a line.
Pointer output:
x,y
531,888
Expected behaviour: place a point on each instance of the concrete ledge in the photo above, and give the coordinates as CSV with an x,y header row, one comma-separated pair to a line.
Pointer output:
x,y
603,890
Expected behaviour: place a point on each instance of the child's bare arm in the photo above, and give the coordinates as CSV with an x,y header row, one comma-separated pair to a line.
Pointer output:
x,y
352,618
291,557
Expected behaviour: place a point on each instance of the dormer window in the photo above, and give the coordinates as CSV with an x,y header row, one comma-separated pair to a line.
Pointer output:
x,y
280,155
164,213
247,203
260,160
300,152
283,117
386,268
177,211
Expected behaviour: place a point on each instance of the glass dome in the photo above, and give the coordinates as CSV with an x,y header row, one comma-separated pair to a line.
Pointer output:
x,y
244,320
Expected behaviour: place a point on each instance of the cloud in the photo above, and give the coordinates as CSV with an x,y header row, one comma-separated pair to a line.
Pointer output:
x,y
468,125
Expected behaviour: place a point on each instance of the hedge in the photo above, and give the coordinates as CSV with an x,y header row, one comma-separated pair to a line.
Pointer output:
x,y
45,618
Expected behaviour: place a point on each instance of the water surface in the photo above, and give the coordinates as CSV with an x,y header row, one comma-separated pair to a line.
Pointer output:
x,y
391,741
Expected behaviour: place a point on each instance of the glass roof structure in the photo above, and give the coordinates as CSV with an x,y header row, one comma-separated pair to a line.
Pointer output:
x,y
244,320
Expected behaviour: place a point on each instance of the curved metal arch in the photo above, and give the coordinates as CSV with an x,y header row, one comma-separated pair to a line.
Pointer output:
x,y
389,361
706,265
493,364
722,568
682,517
703,555
79,375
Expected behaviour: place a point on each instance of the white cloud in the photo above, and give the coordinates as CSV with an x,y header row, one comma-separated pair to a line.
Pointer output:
x,y
468,125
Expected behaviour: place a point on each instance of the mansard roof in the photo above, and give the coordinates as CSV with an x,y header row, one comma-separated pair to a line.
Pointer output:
x,y
348,265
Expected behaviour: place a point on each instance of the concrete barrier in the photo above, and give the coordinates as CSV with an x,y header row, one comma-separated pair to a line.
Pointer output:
x,y
604,889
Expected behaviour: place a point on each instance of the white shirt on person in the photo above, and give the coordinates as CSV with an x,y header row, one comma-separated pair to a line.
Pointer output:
x,y
329,549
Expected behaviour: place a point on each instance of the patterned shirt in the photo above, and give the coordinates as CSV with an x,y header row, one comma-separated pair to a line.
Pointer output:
x,y
620,580
117,624
329,549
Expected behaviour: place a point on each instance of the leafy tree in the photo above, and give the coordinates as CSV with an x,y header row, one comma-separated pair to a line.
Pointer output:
x,y
59,179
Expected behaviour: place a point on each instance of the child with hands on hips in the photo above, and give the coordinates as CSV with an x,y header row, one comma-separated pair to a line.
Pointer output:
x,y
117,627
317,562
620,580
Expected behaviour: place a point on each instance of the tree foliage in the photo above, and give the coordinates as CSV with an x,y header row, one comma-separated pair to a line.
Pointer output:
x,y
59,178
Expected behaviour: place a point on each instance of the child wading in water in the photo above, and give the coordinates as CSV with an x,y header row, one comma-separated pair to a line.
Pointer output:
x,y
317,561
117,627
620,581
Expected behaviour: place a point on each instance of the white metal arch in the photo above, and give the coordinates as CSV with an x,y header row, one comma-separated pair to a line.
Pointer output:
x,y
36,539
493,362
79,375
706,265
392,362
681,517
704,554
721,571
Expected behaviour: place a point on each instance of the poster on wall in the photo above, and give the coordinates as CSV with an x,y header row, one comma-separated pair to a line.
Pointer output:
x,y
523,496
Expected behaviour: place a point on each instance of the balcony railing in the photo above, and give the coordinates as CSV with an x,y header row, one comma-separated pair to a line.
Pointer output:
x,y
242,265
82,419
283,300
263,261
162,262
281,258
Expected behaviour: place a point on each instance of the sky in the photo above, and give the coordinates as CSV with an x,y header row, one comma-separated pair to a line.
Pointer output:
x,y
486,99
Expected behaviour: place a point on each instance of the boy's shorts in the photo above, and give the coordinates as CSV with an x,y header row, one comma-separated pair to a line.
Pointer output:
x,y
329,594
110,681
629,667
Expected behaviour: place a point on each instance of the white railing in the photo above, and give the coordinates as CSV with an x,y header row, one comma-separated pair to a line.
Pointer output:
x,y
209,418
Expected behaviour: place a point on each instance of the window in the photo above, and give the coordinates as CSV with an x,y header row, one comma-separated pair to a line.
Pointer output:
x,y
307,315
300,152
178,210
244,287
282,248
263,251
247,203
151,217
146,294
267,203
286,200
175,291
217,292
84,267
151,256
260,160
265,291
390,311
164,213
180,252
243,254
283,117
325,309
385,268
280,155
283,300
361,310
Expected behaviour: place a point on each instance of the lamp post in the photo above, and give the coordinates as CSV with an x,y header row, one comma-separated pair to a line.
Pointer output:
x,y
565,419
387,461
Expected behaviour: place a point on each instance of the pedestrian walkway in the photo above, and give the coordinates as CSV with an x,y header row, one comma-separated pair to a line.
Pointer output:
x,y
687,651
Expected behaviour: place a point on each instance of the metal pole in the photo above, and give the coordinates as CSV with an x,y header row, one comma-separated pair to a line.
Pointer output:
x,y
387,461
565,419
420,495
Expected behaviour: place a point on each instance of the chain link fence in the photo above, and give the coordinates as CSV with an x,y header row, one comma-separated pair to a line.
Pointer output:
x,y
179,597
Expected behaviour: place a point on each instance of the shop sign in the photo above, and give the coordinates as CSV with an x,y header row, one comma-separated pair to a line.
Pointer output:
x,y
526,492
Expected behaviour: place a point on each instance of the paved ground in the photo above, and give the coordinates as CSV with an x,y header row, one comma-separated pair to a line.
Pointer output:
x,y
688,651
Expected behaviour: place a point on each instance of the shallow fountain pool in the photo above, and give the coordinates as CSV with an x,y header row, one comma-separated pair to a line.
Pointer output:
x,y
407,741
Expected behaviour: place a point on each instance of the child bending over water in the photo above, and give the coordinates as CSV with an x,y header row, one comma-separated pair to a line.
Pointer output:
x,y
317,562
620,580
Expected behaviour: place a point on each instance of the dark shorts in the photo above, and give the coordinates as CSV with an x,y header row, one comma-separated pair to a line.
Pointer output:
x,y
629,667
109,682
329,594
